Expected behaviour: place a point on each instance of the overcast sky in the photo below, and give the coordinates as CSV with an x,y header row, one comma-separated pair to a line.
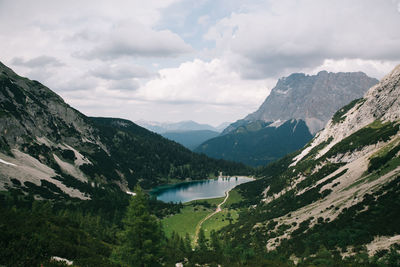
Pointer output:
x,y
206,60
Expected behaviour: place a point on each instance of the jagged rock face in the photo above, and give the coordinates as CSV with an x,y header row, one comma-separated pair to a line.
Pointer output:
x,y
313,99
51,150
381,102
344,181
300,97
257,143
28,110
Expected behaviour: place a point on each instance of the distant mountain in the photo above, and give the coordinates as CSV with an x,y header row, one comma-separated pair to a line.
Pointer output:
x,y
304,98
190,139
312,98
340,195
258,143
222,126
50,150
183,126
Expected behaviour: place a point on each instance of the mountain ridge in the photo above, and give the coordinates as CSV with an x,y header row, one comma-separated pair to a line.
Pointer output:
x,y
305,98
340,192
190,139
58,152
312,98
181,126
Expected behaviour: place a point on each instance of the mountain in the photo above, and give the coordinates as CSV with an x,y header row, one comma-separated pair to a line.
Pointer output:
x,y
258,142
309,99
337,197
222,126
312,98
191,139
182,126
51,150
190,134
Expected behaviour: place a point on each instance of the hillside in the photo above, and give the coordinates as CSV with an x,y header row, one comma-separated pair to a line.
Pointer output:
x,y
265,135
337,197
190,139
182,126
257,143
51,150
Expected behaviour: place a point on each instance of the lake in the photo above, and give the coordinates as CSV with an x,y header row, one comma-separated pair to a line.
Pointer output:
x,y
188,191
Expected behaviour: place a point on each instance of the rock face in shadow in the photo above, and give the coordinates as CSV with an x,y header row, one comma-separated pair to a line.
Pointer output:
x,y
260,137
339,190
313,98
51,150
258,143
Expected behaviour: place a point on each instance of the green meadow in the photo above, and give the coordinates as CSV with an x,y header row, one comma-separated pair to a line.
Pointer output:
x,y
194,211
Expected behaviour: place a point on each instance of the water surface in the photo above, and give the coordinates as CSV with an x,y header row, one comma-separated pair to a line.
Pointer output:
x,y
188,191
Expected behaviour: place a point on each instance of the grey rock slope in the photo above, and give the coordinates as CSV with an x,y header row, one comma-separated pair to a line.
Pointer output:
x,y
345,183
51,150
310,99
313,98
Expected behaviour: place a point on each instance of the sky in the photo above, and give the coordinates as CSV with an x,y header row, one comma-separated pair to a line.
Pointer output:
x,y
210,61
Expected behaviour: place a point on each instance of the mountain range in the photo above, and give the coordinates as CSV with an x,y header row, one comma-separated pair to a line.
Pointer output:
x,y
301,100
182,126
53,151
339,195
64,178
190,134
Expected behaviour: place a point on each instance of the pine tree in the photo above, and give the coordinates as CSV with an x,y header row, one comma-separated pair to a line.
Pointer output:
x,y
202,241
140,240
188,245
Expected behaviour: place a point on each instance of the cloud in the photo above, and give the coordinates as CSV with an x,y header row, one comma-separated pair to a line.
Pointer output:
x,y
287,35
37,62
205,60
79,83
120,72
126,84
211,83
133,40
373,68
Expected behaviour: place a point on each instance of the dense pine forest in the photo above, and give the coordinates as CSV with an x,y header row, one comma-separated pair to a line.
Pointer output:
x,y
121,230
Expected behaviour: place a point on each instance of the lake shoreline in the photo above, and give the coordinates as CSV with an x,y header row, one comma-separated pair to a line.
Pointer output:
x,y
182,186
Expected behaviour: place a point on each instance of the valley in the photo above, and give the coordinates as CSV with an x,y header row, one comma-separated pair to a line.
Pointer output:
x,y
76,187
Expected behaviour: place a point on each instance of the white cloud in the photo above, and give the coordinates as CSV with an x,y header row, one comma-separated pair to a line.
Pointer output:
x,y
37,62
143,63
119,71
290,35
132,39
204,82
373,68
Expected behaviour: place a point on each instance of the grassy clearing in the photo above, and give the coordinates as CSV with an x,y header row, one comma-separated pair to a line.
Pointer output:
x,y
194,211
234,197
185,221
384,150
220,220
211,201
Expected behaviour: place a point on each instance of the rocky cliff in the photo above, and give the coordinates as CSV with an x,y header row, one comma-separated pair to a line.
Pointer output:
x,y
312,98
339,194
262,136
50,150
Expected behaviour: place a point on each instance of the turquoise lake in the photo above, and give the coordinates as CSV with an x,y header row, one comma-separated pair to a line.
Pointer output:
x,y
188,191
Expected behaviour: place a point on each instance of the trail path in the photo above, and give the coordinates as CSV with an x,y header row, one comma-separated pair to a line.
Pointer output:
x,y
198,227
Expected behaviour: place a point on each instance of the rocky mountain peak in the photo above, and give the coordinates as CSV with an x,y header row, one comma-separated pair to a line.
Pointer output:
x,y
380,102
312,98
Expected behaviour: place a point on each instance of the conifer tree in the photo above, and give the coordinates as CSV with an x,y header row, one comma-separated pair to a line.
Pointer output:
x,y
140,240
202,241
